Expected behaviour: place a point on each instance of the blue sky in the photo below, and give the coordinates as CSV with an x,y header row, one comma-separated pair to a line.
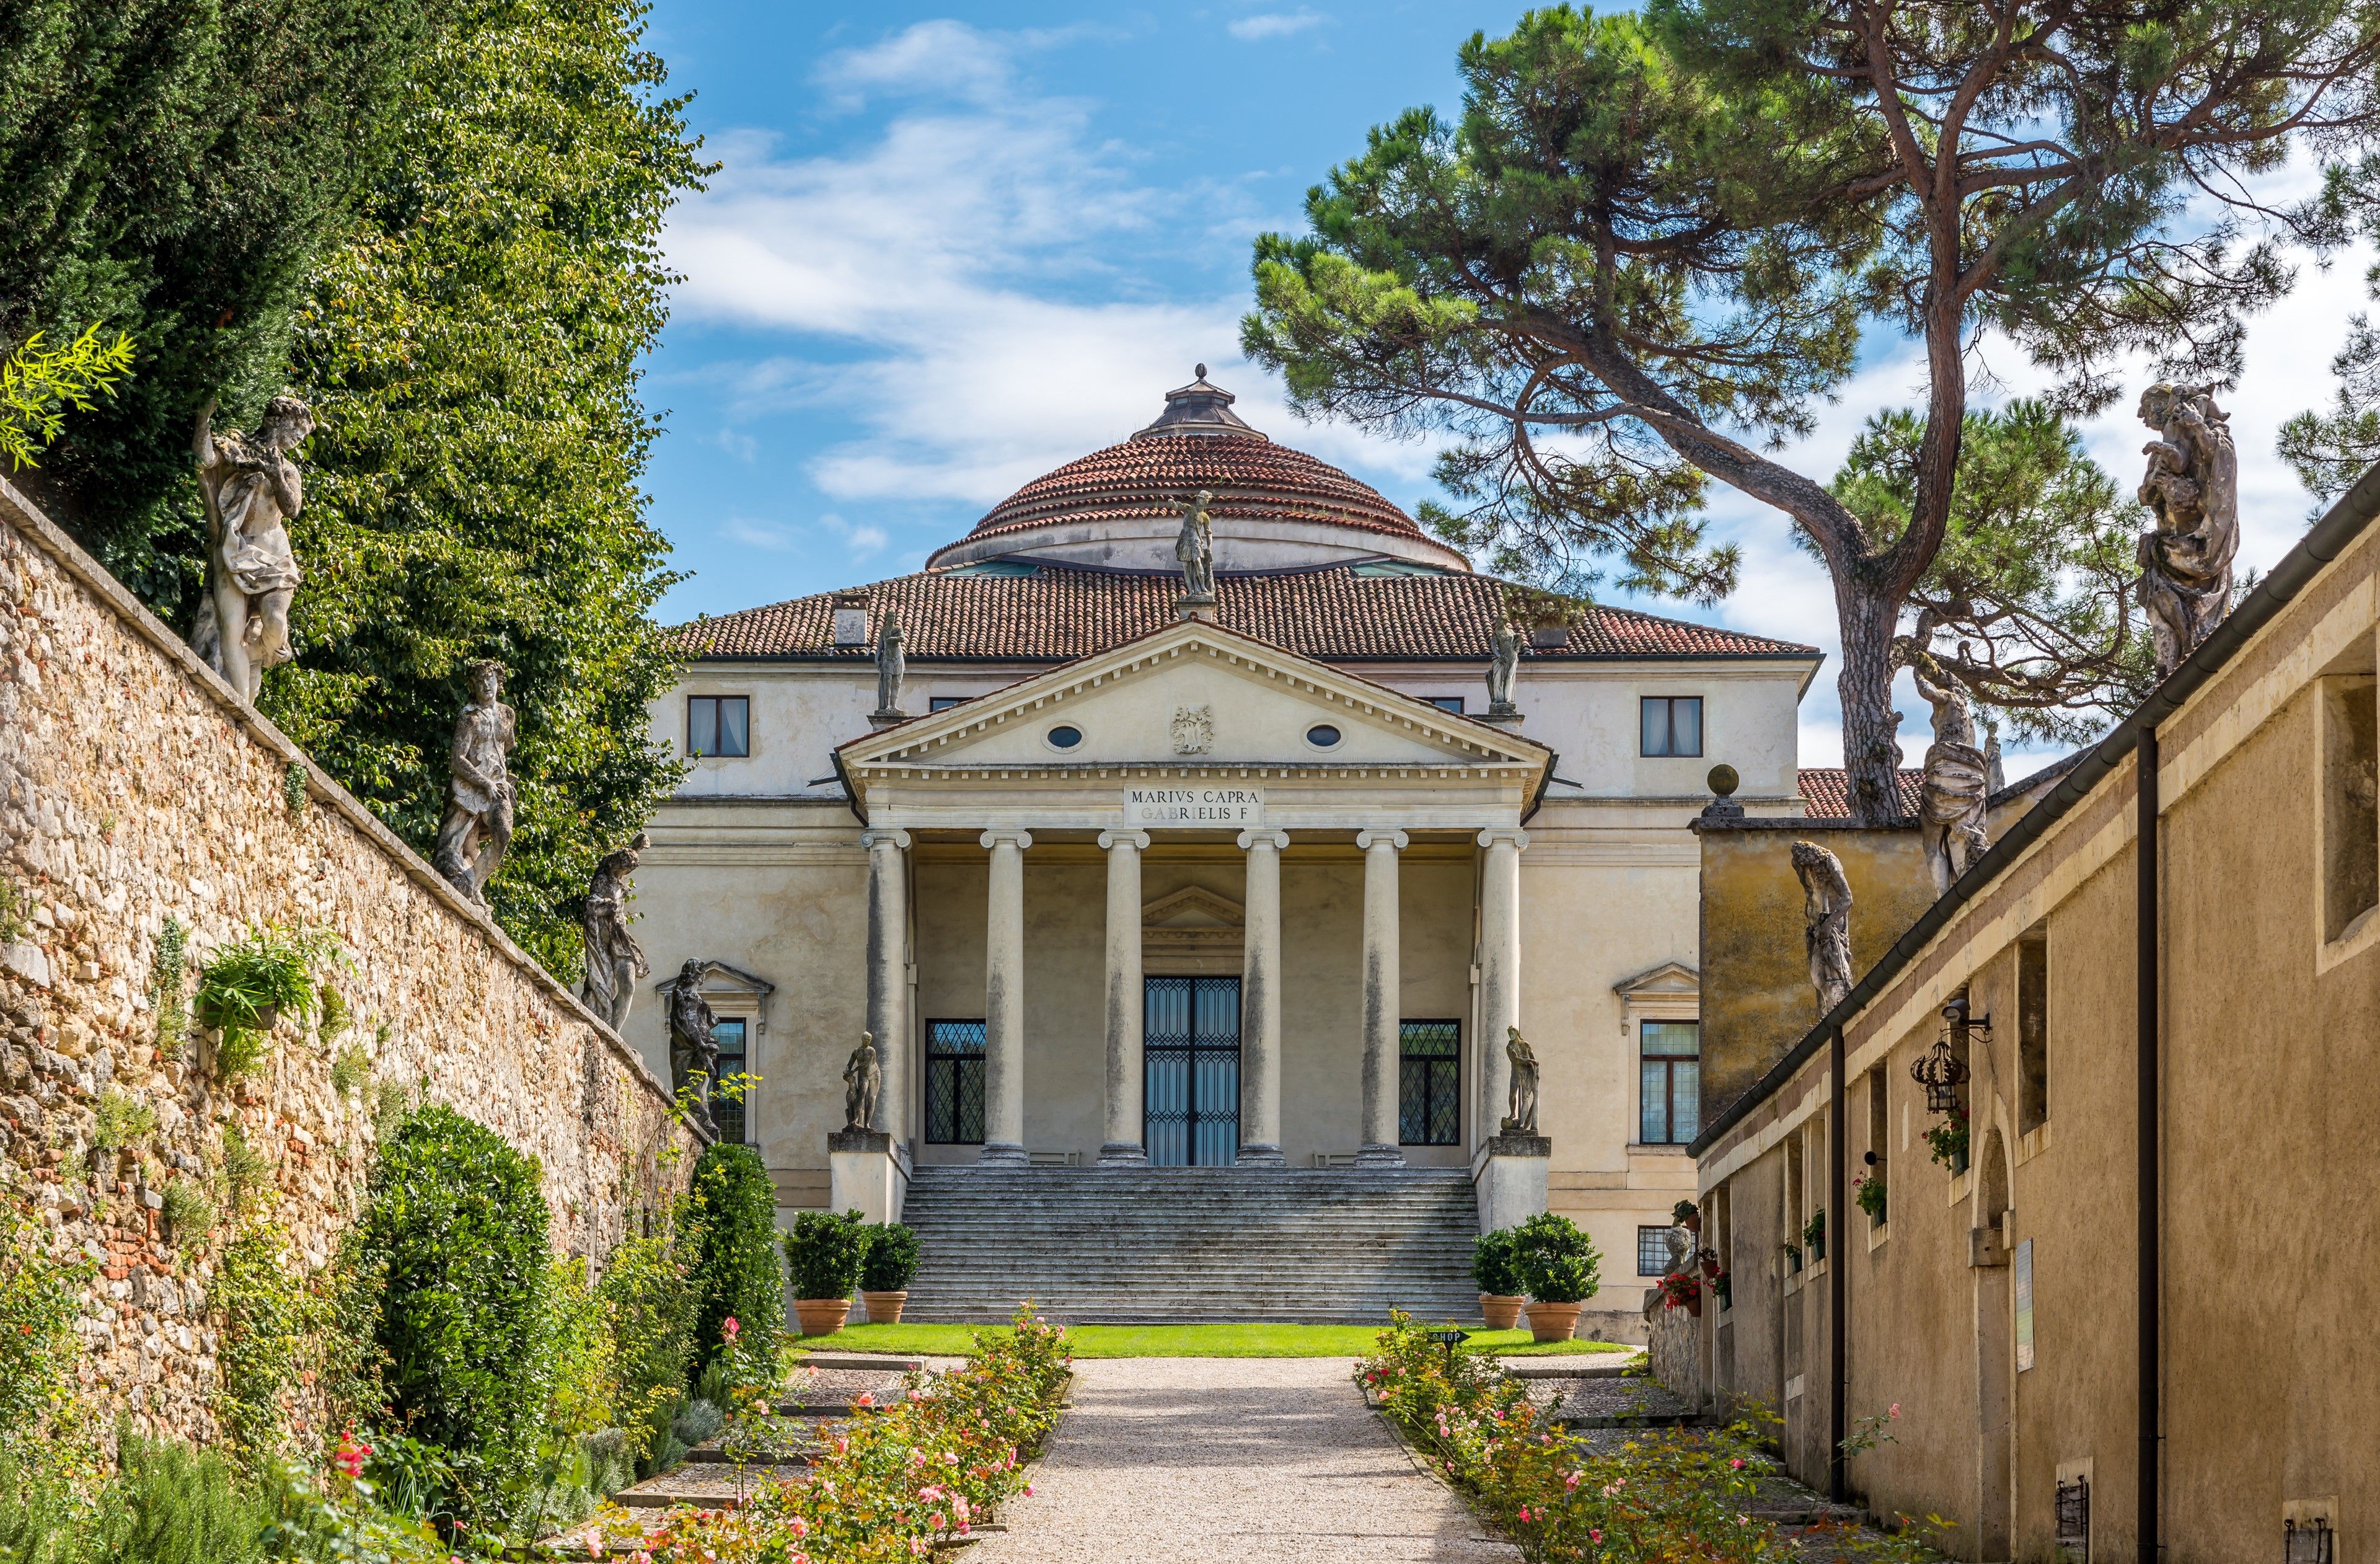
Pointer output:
x,y
951,247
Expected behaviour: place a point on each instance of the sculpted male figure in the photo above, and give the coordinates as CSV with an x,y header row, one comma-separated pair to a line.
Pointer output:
x,y
1522,1119
613,960
863,1081
478,823
2193,487
891,666
1826,925
1957,777
1195,547
1505,669
693,1049
253,488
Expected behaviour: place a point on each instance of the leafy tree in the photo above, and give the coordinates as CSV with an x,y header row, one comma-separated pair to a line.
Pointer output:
x,y
172,170
38,385
1651,244
471,350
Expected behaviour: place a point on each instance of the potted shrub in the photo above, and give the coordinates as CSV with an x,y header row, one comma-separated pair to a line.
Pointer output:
x,y
1559,1267
1497,1274
823,1256
884,1275
1813,1235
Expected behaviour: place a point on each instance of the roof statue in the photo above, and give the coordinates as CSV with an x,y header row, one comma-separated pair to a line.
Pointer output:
x,y
892,667
252,492
1195,547
2192,488
1503,670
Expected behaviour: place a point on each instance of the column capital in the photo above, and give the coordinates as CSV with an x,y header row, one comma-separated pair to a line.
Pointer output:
x,y
1276,839
1135,840
880,836
1012,836
1494,835
1367,840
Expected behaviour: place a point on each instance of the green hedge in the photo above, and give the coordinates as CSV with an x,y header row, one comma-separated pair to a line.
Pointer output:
x,y
455,1243
731,1222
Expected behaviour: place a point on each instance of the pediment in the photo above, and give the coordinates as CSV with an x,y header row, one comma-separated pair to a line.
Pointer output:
x,y
1670,978
1192,909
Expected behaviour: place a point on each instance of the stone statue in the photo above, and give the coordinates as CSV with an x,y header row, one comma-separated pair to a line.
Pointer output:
x,y
1685,1226
614,962
2193,487
252,490
478,823
1195,547
1503,670
863,1079
1522,1118
1957,777
1827,928
693,1049
892,667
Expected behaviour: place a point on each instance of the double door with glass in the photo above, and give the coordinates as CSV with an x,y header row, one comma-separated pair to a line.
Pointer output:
x,y
1190,1041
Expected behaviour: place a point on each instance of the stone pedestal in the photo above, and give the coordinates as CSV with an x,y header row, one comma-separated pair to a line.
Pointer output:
x,y
866,1173
1509,1175
1503,716
887,717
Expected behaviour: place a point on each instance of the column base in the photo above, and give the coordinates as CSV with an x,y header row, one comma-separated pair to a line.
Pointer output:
x,y
1124,1154
1378,1157
1002,1154
1260,1156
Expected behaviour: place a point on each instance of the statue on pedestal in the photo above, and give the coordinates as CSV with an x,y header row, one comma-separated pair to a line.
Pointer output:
x,y
892,667
1195,547
1503,670
2193,487
1522,1117
613,960
478,823
1957,777
252,490
1827,910
863,1081
693,1049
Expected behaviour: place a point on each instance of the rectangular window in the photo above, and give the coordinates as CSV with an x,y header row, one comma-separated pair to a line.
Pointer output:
x,y
944,702
954,1082
2032,1034
1879,1130
1793,1218
2351,793
1670,1105
733,1061
1652,1251
719,725
1674,724
1430,1083
1446,703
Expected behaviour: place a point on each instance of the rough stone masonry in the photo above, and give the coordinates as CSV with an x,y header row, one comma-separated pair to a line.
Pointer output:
x,y
135,786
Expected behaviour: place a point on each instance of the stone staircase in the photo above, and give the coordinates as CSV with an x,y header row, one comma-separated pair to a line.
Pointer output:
x,y
1163,1245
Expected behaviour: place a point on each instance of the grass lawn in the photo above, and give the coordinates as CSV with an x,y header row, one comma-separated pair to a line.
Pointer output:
x,y
1186,1342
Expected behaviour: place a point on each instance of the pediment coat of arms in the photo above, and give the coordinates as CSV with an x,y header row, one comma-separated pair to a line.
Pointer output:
x,y
1193,730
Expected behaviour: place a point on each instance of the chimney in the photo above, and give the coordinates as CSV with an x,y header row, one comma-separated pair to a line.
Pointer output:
x,y
851,619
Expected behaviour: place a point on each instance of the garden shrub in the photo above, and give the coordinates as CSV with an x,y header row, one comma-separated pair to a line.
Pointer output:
x,y
271,1317
1494,1270
455,1241
40,1295
891,1258
649,1302
1557,1262
824,1253
170,1504
731,1224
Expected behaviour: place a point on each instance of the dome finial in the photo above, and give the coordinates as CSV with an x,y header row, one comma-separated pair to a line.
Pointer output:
x,y
1202,371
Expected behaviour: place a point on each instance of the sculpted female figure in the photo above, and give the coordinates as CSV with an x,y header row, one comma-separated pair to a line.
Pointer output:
x,y
613,960
252,490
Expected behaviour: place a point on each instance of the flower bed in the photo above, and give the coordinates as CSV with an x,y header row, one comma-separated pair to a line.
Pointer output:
x,y
897,1479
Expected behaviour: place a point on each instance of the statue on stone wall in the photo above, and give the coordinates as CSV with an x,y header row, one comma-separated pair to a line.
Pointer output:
x,y
892,667
1679,1238
1957,777
613,960
1503,670
478,823
863,1081
1195,547
694,1050
1826,929
2193,487
252,490
1522,1119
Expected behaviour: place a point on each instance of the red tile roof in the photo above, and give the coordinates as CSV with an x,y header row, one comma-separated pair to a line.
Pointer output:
x,y
1828,791
1334,613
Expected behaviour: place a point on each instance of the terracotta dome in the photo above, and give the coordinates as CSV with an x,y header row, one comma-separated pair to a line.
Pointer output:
x,y
1271,506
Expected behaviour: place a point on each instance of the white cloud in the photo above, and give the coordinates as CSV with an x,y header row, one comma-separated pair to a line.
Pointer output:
x,y
760,534
1273,24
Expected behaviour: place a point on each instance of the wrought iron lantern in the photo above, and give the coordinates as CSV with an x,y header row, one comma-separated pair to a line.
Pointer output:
x,y
1944,1068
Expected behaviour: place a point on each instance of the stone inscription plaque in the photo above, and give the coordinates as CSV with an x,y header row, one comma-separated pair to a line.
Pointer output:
x,y
1194,808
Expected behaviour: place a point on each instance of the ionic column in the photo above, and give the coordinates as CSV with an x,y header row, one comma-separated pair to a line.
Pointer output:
x,y
1500,968
1260,1003
1124,1148
888,990
1383,998
1003,1000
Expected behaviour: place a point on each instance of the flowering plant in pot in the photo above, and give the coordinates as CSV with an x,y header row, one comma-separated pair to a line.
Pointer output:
x,y
884,1275
1867,1193
1945,1142
823,1254
1683,1290
1498,1273
1560,1267
1813,1235
1721,1289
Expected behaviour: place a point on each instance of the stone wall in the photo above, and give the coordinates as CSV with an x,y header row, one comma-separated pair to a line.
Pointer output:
x,y
1673,1348
135,786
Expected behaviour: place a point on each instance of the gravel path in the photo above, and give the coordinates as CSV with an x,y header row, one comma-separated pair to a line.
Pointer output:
x,y
1186,1459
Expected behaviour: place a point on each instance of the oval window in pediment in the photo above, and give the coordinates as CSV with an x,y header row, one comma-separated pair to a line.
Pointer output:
x,y
1322,736
1065,736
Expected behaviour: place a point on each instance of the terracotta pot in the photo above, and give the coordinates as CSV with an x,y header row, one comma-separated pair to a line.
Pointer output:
x,y
884,1308
822,1317
1695,1305
1554,1322
1501,1312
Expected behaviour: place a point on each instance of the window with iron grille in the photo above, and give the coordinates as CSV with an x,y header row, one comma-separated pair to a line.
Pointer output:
x,y
2074,1521
1672,724
1671,1079
719,725
1430,1083
1652,1251
733,1055
2308,1542
954,1082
